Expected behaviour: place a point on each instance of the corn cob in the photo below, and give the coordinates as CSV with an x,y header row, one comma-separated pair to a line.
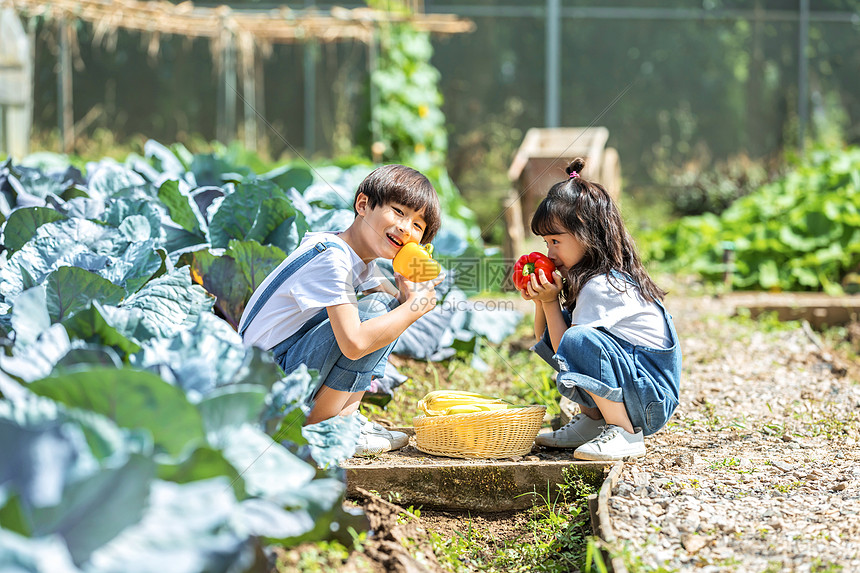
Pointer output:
x,y
447,402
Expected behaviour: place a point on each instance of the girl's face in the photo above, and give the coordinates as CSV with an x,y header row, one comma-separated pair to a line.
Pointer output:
x,y
564,250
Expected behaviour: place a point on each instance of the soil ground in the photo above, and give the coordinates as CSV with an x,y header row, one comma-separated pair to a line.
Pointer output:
x,y
758,470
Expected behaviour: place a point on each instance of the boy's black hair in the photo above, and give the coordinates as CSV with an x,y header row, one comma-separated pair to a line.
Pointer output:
x,y
585,210
406,186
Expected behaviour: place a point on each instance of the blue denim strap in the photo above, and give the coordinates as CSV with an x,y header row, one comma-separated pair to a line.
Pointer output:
x,y
622,276
285,273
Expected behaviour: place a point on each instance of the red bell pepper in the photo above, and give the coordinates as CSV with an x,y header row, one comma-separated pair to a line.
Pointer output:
x,y
531,263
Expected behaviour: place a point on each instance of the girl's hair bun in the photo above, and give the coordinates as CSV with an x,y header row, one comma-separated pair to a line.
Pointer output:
x,y
577,165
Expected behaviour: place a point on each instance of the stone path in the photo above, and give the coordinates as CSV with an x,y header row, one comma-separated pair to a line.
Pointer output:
x,y
759,469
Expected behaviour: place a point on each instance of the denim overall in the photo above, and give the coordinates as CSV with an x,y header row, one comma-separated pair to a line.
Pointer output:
x,y
315,345
645,379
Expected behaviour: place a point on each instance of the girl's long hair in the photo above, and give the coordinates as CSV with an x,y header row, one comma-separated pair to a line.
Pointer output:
x,y
585,210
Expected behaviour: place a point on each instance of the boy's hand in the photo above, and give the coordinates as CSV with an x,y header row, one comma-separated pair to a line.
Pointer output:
x,y
420,297
540,289
402,287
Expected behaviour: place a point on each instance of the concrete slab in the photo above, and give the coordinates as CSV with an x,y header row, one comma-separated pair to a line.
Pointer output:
x,y
476,485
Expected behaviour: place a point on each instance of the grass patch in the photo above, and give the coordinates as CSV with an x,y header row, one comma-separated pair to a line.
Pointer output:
x,y
554,537
321,557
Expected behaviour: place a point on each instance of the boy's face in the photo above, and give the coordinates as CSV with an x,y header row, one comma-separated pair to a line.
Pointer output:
x,y
391,226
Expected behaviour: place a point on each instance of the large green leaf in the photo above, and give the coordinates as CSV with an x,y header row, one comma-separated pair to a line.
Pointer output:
x,y
132,399
138,263
37,359
86,356
71,242
73,474
176,239
22,224
206,356
42,555
203,463
170,302
286,177
71,289
334,440
41,455
179,206
232,406
106,440
121,208
288,235
91,325
109,178
251,212
255,261
269,469
97,508
220,276
30,315
34,183
233,276
209,169
186,528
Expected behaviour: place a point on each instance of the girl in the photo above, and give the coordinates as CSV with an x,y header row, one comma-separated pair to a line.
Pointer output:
x,y
601,324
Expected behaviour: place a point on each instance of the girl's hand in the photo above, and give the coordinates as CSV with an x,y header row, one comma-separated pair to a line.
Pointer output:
x,y
526,296
540,288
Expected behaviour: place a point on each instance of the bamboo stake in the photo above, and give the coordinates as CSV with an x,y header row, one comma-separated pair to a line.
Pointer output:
x,y
65,107
249,90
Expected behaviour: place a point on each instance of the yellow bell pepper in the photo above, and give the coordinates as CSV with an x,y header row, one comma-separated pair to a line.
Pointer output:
x,y
416,263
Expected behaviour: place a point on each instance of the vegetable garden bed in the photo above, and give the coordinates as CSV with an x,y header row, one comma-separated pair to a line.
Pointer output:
x,y
819,309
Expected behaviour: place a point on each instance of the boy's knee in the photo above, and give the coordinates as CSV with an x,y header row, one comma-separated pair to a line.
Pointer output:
x,y
376,304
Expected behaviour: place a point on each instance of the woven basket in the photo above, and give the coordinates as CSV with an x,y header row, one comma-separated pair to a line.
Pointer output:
x,y
495,434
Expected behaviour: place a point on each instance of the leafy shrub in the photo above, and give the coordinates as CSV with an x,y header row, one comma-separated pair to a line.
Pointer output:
x,y
694,192
800,232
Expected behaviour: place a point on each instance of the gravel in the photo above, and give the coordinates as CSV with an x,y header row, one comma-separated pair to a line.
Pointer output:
x,y
758,468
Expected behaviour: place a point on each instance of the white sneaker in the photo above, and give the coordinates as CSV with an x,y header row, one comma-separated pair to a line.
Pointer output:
x,y
613,444
374,439
579,430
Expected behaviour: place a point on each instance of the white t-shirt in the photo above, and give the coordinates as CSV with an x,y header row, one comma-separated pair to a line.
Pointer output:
x,y
331,277
626,315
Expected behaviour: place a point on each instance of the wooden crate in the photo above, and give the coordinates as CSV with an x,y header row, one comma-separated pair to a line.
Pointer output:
x,y
540,163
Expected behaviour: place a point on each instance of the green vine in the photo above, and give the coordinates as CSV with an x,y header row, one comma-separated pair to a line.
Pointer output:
x,y
407,121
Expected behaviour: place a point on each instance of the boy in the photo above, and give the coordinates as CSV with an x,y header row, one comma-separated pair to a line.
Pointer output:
x,y
306,311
